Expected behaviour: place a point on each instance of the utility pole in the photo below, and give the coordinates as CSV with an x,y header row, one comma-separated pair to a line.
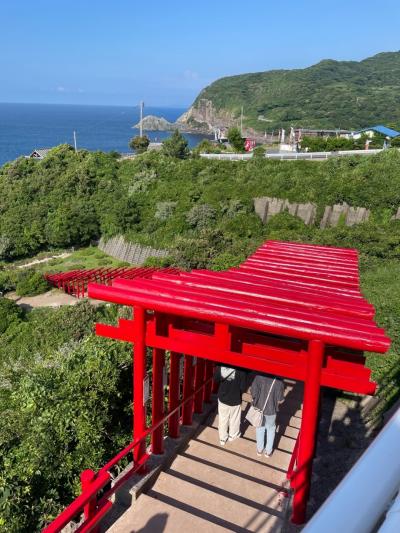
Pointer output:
x,y
241,122
76,149
141,119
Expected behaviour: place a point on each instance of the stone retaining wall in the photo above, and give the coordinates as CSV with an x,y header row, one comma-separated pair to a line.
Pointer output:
x,y
267,207
135,254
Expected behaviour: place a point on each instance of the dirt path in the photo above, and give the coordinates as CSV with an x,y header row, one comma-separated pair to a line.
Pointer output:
x,y
45,260
53,298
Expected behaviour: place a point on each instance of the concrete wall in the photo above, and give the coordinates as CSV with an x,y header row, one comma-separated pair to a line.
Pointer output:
x,y
350,215
136,254
267,207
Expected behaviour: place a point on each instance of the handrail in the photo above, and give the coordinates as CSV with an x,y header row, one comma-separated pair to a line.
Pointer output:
x,y
103,477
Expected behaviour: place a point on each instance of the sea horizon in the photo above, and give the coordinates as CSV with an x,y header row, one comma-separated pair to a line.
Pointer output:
x,y
25,127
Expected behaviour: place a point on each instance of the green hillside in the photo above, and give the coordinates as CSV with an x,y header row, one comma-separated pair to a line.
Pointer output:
x,y
330,94
54,425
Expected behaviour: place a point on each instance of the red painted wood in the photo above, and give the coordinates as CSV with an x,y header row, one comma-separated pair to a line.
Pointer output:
x,y
157,439
199,379
174,394
188,388
301,478
139,372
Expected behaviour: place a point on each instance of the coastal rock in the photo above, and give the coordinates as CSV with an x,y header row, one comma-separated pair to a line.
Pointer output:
x,y
202,117
153,123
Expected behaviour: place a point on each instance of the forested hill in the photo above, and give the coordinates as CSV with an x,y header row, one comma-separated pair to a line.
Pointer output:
x,y
330,94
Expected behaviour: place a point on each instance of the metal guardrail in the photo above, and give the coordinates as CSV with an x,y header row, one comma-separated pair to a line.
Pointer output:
x,y
292,156
364,495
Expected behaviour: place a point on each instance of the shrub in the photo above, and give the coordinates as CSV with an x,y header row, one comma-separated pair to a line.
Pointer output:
x,y
233,208
31,283
235,139
164,210
176,146
9,312
139,143
159,261
259,152
201,216
7,281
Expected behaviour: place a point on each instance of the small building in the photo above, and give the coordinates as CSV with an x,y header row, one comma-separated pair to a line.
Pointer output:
x,y
373,130
155,146
296,134
39,153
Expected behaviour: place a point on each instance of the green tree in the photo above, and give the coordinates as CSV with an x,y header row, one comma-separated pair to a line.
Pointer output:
x,y
395,143
176,146
139,143
235,139
259,152
9,313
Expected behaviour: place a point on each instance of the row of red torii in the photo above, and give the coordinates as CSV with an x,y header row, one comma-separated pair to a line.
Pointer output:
x,y
292,310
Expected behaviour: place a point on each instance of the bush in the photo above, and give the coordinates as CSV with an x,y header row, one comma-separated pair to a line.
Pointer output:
x,y
7,281
31,283
176,146
235,139
259,152
10,312
139,143
159,262
201,216
164,210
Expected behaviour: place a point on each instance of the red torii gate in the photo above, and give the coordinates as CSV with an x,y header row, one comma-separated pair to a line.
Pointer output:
x,y
291,309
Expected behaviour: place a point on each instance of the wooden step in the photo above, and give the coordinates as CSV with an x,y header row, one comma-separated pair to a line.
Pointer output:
x,y
219,506
150,515
214,470
241,455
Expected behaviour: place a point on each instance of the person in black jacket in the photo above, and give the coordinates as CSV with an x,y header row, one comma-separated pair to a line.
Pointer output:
x,y
267,392
232,383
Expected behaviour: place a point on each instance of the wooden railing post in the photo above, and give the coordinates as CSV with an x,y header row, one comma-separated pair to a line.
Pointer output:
x,y
89,510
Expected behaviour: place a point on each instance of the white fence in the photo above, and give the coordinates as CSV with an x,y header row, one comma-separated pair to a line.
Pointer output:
x,y
293,156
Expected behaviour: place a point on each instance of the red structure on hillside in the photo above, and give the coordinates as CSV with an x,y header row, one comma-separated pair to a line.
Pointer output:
x,y
291,310
75,282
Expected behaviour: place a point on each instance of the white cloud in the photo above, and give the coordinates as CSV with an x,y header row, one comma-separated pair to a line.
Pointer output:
x,y
60,89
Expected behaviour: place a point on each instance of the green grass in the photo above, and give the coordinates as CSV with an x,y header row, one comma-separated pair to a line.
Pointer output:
x,y
381,286
84,258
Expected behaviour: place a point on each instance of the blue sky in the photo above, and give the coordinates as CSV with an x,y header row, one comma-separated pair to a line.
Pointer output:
x,y
120,51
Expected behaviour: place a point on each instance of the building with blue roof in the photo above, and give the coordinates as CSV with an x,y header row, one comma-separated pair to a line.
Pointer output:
x,y
370,132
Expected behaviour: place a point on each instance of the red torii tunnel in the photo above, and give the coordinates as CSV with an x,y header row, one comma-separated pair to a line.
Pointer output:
x,y
292,310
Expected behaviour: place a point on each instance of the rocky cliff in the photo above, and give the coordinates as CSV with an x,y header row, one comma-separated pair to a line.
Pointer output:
x,y
153,123
329,95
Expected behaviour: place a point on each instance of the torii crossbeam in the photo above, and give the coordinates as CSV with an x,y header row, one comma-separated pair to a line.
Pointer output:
x,y
293,310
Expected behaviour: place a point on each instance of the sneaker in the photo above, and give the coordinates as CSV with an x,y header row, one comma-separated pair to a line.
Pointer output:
x,y
259,454
222,442
233,438
267,454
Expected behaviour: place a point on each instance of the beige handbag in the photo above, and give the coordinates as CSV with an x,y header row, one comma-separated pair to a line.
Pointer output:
x,y
254,415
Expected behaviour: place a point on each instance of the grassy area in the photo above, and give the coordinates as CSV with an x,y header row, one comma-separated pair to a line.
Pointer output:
x,y
381,286
90,257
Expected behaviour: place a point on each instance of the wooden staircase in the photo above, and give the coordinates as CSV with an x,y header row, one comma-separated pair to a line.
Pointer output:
x,y
209,488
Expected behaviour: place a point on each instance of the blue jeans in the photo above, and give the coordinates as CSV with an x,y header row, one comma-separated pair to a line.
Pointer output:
x,y
269,428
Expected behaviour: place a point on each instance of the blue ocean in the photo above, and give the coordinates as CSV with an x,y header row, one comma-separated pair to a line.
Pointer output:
x,y
24,127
